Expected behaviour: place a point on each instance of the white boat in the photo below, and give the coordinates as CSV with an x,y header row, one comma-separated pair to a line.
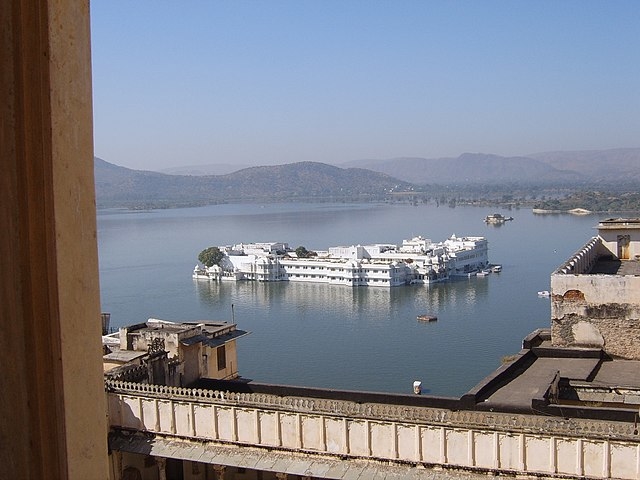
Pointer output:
x,y
496,268
496,218
483,273
544,293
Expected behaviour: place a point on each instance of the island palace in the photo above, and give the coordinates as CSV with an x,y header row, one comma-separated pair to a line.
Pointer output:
x,y
418,260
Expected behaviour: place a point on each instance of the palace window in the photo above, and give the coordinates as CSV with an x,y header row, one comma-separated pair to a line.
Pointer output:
x,y
222,357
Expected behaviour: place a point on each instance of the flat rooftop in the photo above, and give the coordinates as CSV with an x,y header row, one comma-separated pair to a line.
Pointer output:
x,y
616,223
613,266
209,327
585,374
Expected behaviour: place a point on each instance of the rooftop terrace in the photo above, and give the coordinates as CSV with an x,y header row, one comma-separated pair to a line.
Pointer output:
x,y
614,266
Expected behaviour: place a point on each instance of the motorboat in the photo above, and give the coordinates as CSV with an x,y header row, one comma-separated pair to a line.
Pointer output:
x,y
497,218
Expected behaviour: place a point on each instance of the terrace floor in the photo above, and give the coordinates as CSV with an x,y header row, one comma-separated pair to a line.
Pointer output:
x,y
616,267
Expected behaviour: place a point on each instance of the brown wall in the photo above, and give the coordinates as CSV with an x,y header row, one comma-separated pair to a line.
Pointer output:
x,y
52,401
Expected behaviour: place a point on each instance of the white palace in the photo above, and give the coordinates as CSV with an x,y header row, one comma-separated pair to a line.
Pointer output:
x,y
418,260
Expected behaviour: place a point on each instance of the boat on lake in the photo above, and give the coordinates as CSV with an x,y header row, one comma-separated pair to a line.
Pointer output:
x,y
425,317
496,219
544,293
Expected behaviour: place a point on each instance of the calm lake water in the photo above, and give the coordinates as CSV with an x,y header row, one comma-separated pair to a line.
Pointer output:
x,y
332,336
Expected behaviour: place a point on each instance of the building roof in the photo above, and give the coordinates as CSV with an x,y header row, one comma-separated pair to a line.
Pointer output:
x,y
123,356
617,223
304,464
214,341
613,266
579,381
206,326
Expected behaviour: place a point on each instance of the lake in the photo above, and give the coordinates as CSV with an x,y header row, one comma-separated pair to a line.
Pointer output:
x,y
333,336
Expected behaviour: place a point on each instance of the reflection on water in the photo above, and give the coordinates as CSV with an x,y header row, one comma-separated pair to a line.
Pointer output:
x,y
341,301
334,336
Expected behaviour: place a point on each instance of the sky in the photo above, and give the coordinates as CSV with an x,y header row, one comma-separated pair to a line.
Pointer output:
x,y
182,83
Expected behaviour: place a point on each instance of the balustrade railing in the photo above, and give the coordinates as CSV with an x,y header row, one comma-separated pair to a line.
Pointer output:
x,y
493,441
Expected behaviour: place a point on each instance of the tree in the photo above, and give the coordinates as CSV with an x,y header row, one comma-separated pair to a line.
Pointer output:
x,y
302,252
211,256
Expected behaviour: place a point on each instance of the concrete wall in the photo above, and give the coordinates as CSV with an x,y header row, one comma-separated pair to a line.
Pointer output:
x,y
231,368
482,441
600,310
610,232
597,311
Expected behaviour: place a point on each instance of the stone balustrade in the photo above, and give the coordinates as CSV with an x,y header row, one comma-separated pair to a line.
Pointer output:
x,y
483,441
583,260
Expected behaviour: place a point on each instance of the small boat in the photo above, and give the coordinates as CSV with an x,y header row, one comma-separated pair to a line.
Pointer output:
x,y
544,293
427,318
483,273
496,218
496,268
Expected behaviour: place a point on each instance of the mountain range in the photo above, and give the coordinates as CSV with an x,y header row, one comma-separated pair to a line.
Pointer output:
x,y
471,168
120,186
593,166
362,179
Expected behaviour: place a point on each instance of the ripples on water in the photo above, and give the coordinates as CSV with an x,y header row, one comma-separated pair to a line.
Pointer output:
x,y
332,336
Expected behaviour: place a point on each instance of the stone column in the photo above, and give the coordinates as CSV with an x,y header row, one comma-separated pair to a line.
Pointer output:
x,y
49,292
116,464
162,468
220,471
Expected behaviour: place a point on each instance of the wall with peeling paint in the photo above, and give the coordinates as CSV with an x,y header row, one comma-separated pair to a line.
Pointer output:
x,y
597,310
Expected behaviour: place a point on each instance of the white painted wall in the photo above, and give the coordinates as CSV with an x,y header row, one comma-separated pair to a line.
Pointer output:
x,y
525,444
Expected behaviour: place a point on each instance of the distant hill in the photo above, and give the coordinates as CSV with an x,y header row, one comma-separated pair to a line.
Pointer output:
x,y
572,167
568,167
200,170
472,175
599,165
120,186
471,168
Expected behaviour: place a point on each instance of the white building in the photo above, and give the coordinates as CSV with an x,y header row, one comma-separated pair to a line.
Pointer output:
x,y
417,260
192,350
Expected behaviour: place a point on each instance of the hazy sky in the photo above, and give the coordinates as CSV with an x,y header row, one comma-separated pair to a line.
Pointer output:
x,y
266,82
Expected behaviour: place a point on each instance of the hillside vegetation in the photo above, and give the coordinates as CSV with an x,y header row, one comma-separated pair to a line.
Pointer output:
x,y
596,180
306,181
593,202
613,167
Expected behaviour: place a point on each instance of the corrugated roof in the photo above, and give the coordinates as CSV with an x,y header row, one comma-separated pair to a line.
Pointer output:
x,y
124,355
214,341
294,463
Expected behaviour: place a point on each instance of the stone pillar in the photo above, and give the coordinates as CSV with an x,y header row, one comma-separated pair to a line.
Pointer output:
x,y
49,292
116,465
220,471
162,468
